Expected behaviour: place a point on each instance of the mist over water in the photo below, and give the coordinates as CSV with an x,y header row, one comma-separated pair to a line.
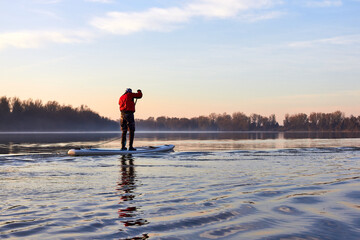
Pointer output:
x,y
215,185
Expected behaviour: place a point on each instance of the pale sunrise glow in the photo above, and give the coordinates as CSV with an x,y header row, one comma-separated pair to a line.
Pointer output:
x,y
190,58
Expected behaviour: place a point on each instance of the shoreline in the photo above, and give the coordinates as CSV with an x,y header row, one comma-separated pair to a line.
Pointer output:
x,y
178,131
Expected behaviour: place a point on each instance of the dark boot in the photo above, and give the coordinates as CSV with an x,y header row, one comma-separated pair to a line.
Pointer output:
x,y
123,141
131,141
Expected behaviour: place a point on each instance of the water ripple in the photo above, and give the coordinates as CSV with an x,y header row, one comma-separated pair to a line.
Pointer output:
x,y
288,193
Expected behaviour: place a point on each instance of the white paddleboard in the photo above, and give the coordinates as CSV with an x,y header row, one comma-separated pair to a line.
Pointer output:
x,y
111,151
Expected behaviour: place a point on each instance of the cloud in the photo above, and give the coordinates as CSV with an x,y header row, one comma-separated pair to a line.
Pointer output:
x,y
48,1
34,39
153,19
165,19
157,19
46,13
324,3
340,40
255,17
226,8
100,1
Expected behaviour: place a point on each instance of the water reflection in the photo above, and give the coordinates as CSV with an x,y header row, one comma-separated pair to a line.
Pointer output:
x,y
297,193
53,142
243,135
128,211
56,137
41,142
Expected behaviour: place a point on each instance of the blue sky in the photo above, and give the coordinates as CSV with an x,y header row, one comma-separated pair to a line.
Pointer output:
x,y
190,57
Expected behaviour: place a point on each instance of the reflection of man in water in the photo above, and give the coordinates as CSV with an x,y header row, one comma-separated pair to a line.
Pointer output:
x,y
127,186
127,183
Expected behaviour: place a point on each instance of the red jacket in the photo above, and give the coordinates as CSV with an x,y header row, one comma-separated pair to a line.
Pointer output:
x,y
126,101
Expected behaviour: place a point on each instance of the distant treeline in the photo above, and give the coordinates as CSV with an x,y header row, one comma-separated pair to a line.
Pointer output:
x,y
240,122
30,115
216,122
335,121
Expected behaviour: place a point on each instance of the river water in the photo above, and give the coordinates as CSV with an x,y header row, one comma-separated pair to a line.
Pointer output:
x,y
214,185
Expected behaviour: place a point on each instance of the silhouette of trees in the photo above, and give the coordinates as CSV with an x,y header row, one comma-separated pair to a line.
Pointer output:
x,y
216,122
298,121
30,115
335,121
238,121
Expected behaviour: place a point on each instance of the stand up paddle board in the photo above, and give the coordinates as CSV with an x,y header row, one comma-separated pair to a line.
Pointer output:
x,y
109,151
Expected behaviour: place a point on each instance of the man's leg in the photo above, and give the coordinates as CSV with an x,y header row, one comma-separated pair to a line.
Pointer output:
x,y
124,131
131,124
123,140
131,140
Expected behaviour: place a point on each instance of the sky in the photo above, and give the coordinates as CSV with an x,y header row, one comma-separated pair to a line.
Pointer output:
x,y
189,57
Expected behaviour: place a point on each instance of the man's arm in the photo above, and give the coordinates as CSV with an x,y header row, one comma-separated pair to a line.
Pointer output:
x,y
138,94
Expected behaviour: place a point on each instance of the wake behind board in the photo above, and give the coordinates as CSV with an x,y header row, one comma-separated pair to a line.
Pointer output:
x,y
109,151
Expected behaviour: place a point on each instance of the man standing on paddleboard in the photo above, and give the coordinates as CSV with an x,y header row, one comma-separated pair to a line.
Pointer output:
x,y
127,121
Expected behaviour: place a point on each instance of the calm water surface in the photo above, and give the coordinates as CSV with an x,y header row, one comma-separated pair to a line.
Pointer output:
x,y
213,186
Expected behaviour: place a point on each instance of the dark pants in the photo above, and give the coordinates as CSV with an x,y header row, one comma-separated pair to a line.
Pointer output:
x,y
127,122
